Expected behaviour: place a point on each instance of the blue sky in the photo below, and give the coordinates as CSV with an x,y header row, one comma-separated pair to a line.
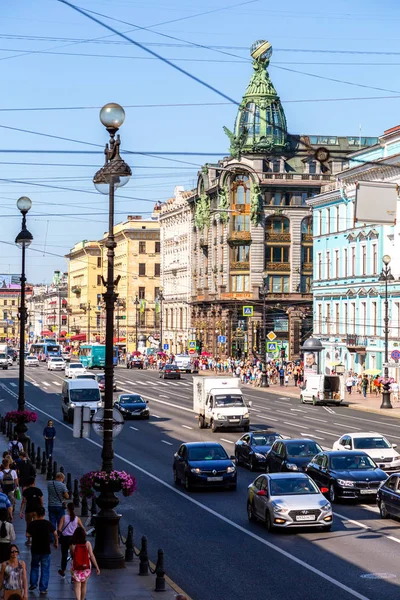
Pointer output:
x,y
52,57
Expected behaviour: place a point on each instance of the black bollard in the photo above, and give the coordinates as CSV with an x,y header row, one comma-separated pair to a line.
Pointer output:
x,y
84,507
10,432
62,470
93,510
144,558
43,467
54,470
69,484
49,473
129,545
160,573
38,461
4,427
32,453
76,494
28,447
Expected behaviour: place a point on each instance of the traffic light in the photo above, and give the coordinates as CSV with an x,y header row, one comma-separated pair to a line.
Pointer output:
x,y
199,346
283,353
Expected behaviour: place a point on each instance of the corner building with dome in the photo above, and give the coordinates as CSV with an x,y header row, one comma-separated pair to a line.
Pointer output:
x,y
251,229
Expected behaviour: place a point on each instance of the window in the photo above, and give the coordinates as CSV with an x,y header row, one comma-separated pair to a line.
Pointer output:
x,y
353,261
306,283
319,320
337,219
345,260
241,253
276,166
181,318
328,220
320,221
157,247
374,259
328,265
240,283
241,223
306,254
5,302
12,302
332,214
142,247
396,318
278,225
142,293
99,280
142,270
374,317
337,274
352,317
312,167
142,319
157,270
241,190
364,259
278,284
337,318
307,226
364,317
319,266
328,318
346,317
5,315
156,292
99,262
278,254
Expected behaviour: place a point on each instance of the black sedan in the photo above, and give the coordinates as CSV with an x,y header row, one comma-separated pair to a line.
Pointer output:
x,y
135,362
132,406
388,497
291,455
251,448
101,380
170,371
346,474
204,464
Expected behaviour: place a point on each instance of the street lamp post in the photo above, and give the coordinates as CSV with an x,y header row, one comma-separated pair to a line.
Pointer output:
x,y
264,293
23,240
115,173
161,299
386,276
137,321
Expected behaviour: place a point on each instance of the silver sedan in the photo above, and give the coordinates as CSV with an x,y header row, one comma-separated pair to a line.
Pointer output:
x,y
282,500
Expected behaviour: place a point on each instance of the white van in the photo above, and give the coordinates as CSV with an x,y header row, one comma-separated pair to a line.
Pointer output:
x,y
319,389
182,361
79,392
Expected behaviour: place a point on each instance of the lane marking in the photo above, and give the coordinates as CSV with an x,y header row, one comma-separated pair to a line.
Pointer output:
x,y
227,441
314,419
13,384
134,428
165,442
187,427
348,426
156,416
46,384
327,433
390,537
219,516
256,410
329,410
161,383
269,418
295,425
366,527
56,383
163,396
314,436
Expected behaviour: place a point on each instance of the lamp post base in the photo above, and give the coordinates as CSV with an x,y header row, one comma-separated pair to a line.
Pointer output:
x,y
21,429
107,550
386,399
264,380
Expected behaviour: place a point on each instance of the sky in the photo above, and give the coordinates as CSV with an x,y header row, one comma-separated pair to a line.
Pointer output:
x,y
337,73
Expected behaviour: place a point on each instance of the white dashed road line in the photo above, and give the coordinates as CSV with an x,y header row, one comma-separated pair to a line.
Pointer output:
x,y
46,384
319,420
327,433
313,436
56,383
134,428
156,416
187,427
165,442
296,425
225,440
13,384
347,426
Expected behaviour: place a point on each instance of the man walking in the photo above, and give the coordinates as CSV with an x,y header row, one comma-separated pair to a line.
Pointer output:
x,y
32,500
49,434
25,469
5,503
56,492
40,531
281,376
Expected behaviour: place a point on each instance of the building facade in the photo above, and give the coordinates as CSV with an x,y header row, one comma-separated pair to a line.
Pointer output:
x,y
10,296
176,229
252,229
348,298
47,309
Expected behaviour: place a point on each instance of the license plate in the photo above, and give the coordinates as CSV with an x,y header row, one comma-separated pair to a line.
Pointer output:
x,y
367,491
215,478
234,420
305,518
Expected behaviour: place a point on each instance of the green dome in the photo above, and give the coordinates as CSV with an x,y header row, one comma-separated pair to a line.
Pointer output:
x,y
260,125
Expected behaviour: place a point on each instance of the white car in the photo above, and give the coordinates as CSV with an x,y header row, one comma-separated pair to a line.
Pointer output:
x,y
56,364
74,369
10,361
66,356
373,444
31,361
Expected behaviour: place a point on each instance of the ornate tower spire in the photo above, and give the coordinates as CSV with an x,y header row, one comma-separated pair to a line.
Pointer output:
x,y
260,123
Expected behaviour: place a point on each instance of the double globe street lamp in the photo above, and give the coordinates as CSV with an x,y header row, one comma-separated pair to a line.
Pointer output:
x,y
114,174
386,276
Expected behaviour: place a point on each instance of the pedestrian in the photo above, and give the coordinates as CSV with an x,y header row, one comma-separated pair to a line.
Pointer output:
x,y
7,535
82,559
9,481
349,383
395,390
13,579
5,503
364,385
32,500
15,447
57,493
41,531
281,376
286,379
66,529
49,434
25,469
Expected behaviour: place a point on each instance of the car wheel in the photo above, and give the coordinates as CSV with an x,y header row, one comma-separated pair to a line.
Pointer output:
x,y
332,493
201,422
314,401
188,485
268,522
213,427
252,464
383,510
177,480
250,513
326,528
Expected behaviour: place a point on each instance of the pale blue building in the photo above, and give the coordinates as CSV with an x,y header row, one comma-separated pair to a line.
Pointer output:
x,y
347,294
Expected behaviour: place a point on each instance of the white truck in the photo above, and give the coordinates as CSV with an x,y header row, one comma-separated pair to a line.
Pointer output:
x,y
3,356
218,403
183,363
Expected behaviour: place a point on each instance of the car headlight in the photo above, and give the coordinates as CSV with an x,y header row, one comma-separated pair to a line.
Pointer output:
x,y
246,416
326,507
231,469
279,508
197,471
73,405
99,404
221,417
259,456
292,467
345,483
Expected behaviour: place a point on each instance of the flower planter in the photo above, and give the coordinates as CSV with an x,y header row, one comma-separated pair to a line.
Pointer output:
x,y
100,485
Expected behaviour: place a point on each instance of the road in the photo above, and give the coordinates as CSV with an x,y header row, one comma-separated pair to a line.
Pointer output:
x,y
211,550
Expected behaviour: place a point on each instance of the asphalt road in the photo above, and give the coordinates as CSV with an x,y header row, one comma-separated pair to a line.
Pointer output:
x,y
211,550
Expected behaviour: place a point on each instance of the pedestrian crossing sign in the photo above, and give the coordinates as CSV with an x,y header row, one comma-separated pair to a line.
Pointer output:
x,y
248,311
272,346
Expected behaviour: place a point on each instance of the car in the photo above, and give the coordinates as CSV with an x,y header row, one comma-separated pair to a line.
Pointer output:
x,y
388,497
132,406
251,448
85,376
101,380
286,500
13,353
170,371
56,363
31,361
66,356
204,464
135,362
291,455
375,445
10,361
346,474
76,368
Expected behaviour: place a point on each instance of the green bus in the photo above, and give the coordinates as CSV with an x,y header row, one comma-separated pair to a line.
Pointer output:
x,y
94,355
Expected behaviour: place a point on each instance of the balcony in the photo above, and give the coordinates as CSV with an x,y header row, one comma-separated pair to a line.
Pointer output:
x,y
238,237
278,266
278,237
307,238
356,343
240,266
294,178
307,266
76,289
203,242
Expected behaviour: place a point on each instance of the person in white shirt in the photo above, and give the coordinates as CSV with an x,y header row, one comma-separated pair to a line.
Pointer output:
x,y
349,383
395,391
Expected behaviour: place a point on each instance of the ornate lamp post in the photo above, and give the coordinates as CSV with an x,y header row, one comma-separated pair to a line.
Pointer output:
x,y
386,276
264,291
161,299
23,240
137,320
114,174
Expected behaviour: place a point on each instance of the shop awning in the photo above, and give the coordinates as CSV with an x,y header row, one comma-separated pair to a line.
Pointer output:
x,y
119,340
81,337
63,332
47,332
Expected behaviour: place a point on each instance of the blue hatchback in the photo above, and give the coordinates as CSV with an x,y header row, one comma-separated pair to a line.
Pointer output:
x,y
204,464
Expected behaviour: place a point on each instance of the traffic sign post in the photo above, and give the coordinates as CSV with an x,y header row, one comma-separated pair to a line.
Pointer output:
x,y
271,336
272,346
248,311
395,354
166,346
222,339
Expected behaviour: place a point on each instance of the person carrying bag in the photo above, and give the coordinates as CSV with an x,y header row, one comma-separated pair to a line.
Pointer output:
x,y
66,530
13,579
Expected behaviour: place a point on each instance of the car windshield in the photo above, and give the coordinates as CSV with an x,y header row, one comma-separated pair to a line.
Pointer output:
x,y
229,400
207,453
303,449
76,366
31,358
264,440
85,395
130,400
86,377
57,360
370,443
352,462
292,486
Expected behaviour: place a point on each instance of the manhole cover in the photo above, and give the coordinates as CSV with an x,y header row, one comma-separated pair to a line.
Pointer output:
x,y
378,576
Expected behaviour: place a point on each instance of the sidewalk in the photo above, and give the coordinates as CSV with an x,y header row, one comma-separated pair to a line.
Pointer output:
x,y
124,584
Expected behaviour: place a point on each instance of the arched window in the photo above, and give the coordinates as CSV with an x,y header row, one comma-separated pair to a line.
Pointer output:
x,y
241,190
278,225
307,225
250,118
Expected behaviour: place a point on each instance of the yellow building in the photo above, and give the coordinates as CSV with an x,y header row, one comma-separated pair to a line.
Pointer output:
x,y
85,287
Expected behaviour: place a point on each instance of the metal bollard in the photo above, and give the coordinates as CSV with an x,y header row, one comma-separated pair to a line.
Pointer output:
x,y
28,447
4,427
49,474
54,470
62,470
43,466
160,573
32,453
38,461
69,484
10,432
93,510
84,507
76,494
129,550
144,558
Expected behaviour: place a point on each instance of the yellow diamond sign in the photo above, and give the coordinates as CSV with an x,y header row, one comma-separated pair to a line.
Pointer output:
x,y
271,336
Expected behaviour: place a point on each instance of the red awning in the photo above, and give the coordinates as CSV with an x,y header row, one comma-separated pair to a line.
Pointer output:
x,y
81,337
47,332
117,340
63,332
